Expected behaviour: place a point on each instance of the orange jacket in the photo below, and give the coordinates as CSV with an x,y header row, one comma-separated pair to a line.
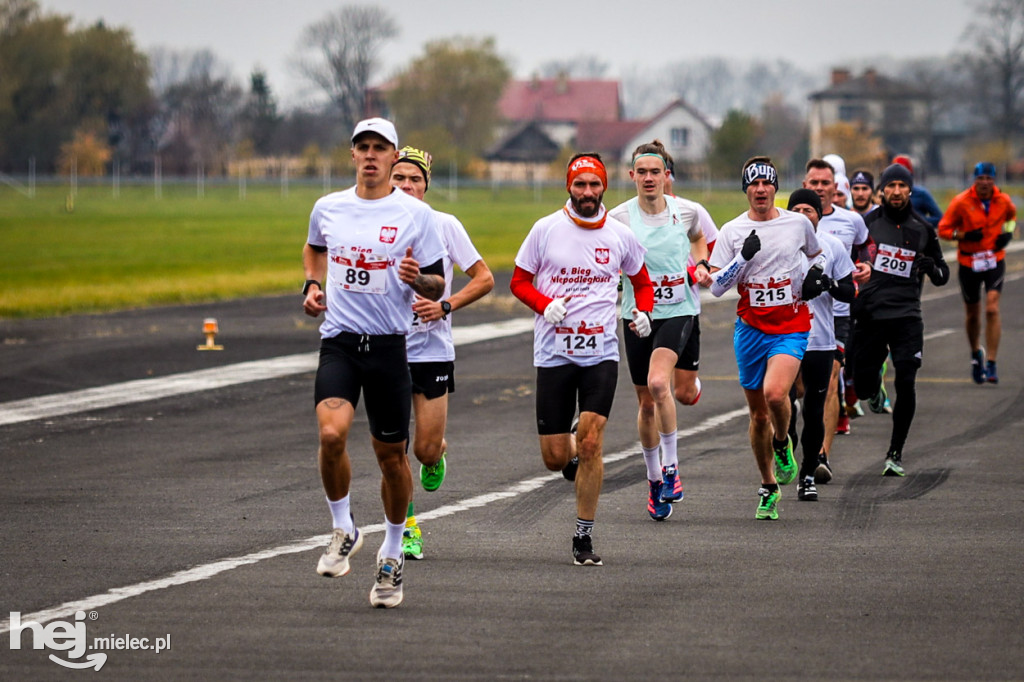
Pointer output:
x,y
966,212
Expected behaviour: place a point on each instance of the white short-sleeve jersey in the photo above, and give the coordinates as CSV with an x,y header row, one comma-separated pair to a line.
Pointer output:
x,y
770,285
837,266
849,228
583,263
432,341
366,240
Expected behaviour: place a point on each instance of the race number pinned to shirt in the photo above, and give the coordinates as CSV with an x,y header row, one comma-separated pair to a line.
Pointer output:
x,y
366,273
893,260
983,261
669,288
579,341
770,292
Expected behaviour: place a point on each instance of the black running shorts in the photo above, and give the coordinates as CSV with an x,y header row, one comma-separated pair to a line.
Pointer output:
x,y
681,335
971,281
432,379
559,388
377,365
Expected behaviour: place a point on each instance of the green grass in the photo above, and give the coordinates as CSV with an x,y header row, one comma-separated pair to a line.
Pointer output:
x,y
135,250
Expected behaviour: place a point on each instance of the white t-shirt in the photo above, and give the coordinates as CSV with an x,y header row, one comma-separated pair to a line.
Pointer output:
x,y
432,341
848,226
837,266
666,237
569,260
770,285
366,240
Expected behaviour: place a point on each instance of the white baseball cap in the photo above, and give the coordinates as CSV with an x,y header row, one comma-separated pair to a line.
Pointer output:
x,y
380,126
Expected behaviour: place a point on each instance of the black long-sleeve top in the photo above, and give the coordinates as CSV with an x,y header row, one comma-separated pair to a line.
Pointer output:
x,y
900,240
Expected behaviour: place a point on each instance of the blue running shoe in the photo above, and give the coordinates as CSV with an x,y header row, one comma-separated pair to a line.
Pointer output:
x,y
672,487
990,372
658,510
978,366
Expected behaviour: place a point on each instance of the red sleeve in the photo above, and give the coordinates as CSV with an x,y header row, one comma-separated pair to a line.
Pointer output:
x,y
643,290
523,289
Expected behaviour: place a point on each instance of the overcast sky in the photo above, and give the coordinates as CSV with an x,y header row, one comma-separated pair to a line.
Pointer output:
x,y
248,33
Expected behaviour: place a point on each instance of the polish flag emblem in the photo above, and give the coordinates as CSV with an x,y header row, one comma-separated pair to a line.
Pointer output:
x,y
388,234
602,256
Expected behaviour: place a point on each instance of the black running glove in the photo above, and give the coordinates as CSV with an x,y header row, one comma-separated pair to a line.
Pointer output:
x,y
815,283
972,236
924,265
1002,240
751,245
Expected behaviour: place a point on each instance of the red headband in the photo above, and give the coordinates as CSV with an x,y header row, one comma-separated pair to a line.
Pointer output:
x,y
586,164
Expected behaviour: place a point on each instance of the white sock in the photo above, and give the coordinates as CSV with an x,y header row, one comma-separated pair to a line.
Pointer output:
x,y
341,514
392,547
653,462
670,456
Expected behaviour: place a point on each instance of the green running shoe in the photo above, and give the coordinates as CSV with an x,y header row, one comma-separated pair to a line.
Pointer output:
x,y
880,401
767,506
785,465
431,477
412,542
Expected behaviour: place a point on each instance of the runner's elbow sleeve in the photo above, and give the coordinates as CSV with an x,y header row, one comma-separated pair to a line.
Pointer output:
x,y
643,290
523,289
726,278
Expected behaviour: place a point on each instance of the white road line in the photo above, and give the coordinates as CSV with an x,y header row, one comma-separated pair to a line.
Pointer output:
x,y
67,609
141,390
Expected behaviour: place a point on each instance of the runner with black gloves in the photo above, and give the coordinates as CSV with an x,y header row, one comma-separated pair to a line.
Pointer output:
x,y
887,310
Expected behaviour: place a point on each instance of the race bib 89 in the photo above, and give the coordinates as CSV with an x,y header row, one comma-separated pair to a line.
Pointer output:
x,y
366,274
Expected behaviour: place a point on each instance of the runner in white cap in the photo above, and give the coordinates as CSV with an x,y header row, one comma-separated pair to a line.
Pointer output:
x,y
362,260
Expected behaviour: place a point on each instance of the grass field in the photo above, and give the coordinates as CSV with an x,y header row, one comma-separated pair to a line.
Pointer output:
x,y
109,253
102,253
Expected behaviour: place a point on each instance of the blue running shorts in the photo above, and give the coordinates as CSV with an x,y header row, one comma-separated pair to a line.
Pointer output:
x,y
753,348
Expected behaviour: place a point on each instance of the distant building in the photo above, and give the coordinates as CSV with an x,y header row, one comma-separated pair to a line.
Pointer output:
x,y
543,117
901,115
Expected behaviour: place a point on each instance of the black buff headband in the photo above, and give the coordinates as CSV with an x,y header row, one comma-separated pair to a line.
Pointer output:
x,y
760,170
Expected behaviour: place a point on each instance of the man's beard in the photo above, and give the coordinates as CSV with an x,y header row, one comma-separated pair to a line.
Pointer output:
x,y
587,208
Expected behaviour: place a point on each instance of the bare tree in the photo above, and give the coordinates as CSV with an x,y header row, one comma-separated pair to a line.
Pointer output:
x,y
344,47
997,64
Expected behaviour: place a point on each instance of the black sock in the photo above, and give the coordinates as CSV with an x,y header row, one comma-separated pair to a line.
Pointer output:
x,y
770,487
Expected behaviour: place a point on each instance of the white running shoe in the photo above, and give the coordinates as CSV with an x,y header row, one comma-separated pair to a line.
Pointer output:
x,y
387,590
334,561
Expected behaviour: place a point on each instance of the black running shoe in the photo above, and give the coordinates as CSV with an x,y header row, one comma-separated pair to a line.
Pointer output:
x,y
823,472
806,491
583,552
569,472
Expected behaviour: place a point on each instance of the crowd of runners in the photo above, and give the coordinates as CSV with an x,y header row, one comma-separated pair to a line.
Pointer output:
x,y
829,299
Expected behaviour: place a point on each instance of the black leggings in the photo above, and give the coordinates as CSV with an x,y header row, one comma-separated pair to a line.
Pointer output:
x,y
816,370
872,341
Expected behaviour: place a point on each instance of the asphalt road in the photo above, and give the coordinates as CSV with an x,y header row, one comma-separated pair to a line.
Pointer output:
x,y
198,519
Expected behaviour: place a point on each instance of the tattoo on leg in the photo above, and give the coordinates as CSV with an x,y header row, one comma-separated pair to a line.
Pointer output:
x,y
334,403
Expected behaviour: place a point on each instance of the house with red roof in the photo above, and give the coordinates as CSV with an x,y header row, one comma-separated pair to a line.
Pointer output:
x,y
543,117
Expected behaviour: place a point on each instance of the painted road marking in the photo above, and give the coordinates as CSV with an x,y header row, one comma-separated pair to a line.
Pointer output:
x,y
205,571
141,390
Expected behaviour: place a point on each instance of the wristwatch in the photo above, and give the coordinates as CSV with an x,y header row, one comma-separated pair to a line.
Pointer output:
x,y
703,262
309,283
446,308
